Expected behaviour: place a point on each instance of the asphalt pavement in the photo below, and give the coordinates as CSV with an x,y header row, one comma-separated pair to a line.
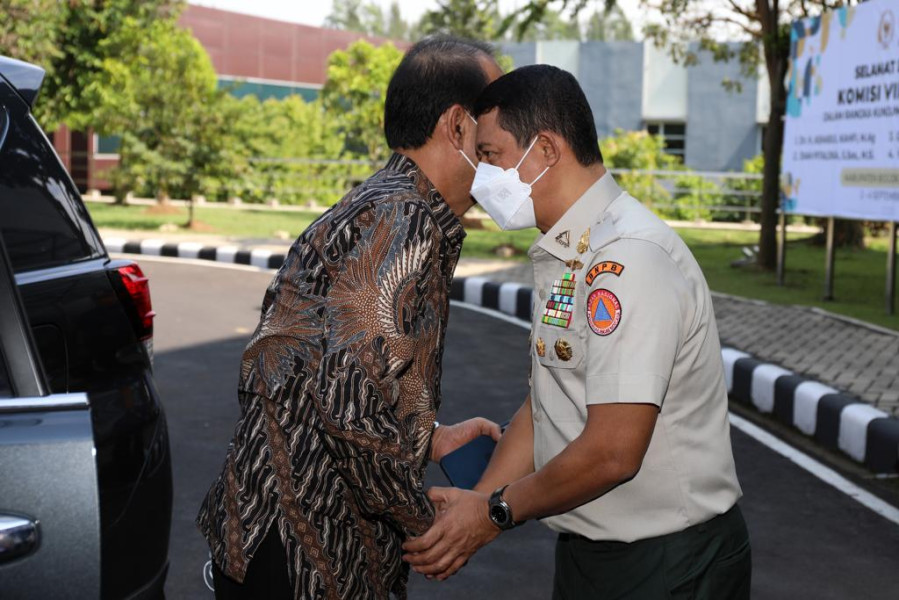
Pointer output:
x,y
809,539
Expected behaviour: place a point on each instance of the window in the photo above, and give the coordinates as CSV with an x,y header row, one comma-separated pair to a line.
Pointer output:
x,y
675,135
43,222
108,144
240,88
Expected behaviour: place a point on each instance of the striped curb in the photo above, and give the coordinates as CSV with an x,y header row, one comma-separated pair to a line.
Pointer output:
x,y
835,420
256,257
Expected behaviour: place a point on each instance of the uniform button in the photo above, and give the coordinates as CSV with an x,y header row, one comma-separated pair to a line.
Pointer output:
x,y
537,416
542,294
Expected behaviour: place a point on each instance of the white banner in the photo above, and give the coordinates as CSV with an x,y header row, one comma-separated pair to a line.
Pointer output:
x,y
841,138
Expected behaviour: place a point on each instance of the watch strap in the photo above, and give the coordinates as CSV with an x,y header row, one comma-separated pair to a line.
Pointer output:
x,y
499,510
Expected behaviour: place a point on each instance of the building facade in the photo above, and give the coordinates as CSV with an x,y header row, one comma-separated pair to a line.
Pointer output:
x,y
635,86
630,86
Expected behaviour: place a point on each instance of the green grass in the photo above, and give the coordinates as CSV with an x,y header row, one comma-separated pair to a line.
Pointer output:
x,y
859,275
262,223
258,223
858,286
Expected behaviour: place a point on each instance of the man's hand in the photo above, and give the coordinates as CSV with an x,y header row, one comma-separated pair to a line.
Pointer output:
x,y
462,527
450,437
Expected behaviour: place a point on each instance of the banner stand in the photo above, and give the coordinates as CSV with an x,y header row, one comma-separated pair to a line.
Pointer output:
x,y
782,248
891,271
829,260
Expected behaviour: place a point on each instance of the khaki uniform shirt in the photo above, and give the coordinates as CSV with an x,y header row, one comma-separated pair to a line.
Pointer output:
x,y
622,313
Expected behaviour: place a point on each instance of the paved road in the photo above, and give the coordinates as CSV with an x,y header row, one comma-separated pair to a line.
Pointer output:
x,y
809,540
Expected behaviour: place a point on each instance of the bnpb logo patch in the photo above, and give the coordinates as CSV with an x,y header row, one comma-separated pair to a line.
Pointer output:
x,y
603,312
608,266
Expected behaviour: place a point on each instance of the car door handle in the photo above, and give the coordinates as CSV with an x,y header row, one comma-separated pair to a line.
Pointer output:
x,y
18,536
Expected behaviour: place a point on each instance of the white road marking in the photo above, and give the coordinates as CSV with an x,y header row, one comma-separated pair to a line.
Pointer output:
x,y
825,474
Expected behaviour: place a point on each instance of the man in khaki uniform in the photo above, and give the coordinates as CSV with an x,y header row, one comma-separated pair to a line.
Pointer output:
x,y
623,446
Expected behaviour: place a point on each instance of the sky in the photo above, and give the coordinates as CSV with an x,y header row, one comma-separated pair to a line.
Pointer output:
x,y
314,12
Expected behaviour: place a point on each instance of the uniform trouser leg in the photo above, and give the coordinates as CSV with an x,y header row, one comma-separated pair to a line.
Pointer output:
x,y
266,577
709,561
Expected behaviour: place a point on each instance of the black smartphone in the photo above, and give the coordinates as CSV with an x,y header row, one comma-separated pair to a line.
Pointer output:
x,y
465,465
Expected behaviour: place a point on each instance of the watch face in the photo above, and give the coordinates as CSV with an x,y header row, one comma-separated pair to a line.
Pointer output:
x,y
498,515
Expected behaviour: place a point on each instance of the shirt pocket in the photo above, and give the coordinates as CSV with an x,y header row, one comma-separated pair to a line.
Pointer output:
x,y
559,383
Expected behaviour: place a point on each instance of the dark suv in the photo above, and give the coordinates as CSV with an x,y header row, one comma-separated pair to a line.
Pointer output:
x,y
91,322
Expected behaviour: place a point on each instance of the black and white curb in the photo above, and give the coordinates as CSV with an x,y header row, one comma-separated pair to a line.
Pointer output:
x,y
835,420
866,434
256,257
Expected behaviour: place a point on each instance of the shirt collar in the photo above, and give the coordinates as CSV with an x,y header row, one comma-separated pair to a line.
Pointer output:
x,y
562,239
446,219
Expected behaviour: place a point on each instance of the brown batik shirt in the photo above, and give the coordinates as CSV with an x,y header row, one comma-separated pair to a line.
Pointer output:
x,y
339,388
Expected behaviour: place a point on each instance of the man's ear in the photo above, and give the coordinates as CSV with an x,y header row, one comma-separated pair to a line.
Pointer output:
x,y
452,124
549,145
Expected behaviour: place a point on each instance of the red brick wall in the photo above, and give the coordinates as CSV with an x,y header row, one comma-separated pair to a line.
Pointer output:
x,y
246,46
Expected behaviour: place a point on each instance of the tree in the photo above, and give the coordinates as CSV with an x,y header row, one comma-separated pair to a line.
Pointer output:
x,y
357,15
609,25
397,27
367,17
473,19
553,26
639,151
25,37
164,102
69,40
355,92
293,145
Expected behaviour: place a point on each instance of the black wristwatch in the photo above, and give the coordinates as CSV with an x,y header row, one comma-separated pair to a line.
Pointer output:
x,y
500,512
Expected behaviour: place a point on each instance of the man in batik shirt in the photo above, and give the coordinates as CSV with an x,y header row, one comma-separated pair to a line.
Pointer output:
x,y
340,383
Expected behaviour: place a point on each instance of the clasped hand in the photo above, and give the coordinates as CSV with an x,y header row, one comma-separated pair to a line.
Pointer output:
x,y
461,527
451,437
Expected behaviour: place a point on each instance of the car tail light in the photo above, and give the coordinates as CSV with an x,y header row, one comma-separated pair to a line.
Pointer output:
x,y
138,288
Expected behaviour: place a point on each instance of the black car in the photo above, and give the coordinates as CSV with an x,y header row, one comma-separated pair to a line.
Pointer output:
x,y
91,322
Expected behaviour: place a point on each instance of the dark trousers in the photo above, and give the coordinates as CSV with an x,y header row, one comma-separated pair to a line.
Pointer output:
x,y
266,577
709,561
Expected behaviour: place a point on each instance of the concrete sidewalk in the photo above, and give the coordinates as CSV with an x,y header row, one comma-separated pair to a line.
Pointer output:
x,y
833,378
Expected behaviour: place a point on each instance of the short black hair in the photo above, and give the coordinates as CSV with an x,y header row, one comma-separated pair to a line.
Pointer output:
x,y
436,73
543,98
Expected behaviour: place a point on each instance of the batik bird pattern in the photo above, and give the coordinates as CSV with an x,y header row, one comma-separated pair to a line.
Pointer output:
x,y
339,389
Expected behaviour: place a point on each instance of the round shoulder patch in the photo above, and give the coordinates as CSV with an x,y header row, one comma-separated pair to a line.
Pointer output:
x,y
603,312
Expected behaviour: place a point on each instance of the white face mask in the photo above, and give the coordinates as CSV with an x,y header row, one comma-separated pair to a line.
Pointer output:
x,y
505,197
461,151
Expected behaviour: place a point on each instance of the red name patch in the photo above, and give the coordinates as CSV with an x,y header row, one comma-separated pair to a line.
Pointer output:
x,y
603,312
